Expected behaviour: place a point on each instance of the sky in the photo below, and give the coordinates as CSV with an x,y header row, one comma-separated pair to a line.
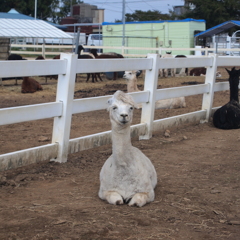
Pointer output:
x,y
113,8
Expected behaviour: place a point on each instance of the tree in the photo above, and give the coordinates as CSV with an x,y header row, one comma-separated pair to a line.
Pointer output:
x,y
65,8
53,10
149,15
214,12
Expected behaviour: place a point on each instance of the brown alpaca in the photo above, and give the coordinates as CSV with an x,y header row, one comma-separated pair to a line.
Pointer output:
x,y
106,56
30,85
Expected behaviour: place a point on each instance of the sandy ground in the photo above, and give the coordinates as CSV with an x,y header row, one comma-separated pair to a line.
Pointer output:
x,y
197,195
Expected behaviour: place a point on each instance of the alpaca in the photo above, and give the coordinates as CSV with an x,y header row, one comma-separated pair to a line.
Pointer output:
x,y
106,56
170,103
182,71
201,71
13,57
30,85
127,176
165,72
198,71
228,116
40,57
131,77
95,76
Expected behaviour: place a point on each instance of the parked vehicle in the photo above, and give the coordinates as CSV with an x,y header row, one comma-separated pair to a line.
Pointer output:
x,y
94,40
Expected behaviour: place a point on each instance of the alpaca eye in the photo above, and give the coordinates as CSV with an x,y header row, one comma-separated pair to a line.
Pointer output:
x,y
131,108
114,108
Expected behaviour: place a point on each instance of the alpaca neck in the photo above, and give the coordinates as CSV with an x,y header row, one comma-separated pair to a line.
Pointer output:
x,y
132,85
121,144
234,89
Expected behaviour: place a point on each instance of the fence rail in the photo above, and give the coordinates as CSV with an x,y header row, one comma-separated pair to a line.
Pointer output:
x,y
65,105
124,50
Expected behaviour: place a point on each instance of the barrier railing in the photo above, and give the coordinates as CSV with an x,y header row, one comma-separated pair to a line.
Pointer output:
x,y
70,48
65,105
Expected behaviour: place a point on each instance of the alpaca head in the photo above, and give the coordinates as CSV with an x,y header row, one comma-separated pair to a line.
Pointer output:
x,y
120,108
128,75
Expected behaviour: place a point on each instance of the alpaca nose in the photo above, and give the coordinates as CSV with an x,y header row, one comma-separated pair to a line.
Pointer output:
x,y
124,115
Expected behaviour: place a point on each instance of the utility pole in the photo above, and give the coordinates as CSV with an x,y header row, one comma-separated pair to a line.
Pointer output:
x,y
123,21
35,13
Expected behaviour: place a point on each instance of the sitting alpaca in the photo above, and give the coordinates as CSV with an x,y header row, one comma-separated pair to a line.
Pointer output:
x,y
170,103
127,176
30,85
228,116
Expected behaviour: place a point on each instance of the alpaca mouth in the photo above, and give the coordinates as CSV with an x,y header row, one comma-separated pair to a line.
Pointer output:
x,y
124,121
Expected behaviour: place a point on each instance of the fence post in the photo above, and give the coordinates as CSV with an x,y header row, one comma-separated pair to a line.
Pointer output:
x,y
43,48
65,94
210,78
148,109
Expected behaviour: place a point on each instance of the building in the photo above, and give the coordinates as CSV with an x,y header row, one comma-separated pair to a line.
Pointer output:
x,y
153,34
224,35
84,13
14,14
16,28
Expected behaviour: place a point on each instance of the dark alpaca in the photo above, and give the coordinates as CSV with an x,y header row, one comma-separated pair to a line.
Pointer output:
x,y
13,57
106,56
30,85
95,76
40,57
198,71
228,116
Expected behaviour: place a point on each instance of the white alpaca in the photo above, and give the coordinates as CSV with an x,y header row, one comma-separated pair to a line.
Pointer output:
x,y
170,103
127,176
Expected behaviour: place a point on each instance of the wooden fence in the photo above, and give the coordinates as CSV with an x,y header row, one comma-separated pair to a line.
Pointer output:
x,y
65,105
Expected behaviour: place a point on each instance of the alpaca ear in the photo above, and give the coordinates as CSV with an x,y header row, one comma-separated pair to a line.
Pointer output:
x,y
228,70
110,100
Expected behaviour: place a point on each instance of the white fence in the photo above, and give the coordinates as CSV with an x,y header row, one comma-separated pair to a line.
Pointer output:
x,y
123,50
65,105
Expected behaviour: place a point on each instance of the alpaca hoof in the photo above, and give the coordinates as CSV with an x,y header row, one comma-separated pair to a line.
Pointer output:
x,y
114,198
119,202
139,200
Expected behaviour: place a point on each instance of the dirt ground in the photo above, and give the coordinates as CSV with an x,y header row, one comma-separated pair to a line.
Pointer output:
x,y
198,167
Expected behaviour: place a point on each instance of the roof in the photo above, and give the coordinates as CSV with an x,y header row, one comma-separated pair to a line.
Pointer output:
x,y
219,28
159,21
29,28
13,14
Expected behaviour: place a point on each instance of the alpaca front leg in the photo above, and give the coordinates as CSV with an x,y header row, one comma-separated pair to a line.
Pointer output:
x,y
113,197
139,199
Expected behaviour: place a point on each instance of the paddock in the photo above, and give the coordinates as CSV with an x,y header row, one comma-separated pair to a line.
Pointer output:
x,y
197,196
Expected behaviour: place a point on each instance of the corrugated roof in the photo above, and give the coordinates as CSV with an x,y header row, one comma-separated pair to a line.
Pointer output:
x,y
13,14
29,28
218,29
